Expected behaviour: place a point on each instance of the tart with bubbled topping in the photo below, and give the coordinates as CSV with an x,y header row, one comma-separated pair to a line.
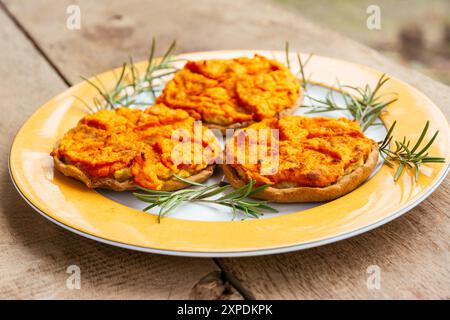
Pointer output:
x,y
125,148
233,93
313,159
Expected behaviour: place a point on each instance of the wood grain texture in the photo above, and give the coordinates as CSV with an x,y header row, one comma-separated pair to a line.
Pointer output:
x,y
113,30
34,253
412,251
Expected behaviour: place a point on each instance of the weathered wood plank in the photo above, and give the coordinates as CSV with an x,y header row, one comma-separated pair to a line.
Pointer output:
x,y
34,253
113,30
412,251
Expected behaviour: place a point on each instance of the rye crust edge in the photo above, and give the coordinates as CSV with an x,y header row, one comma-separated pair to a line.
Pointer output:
x,y
112,184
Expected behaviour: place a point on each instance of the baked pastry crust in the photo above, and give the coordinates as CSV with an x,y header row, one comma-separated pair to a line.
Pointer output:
x,y
112,184
344,185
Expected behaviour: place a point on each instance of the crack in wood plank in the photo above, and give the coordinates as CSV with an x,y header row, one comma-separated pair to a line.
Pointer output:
x,y
237,284
214,286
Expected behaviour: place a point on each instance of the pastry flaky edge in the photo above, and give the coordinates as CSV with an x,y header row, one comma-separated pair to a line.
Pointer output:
x,y
241,125
344,185
112,184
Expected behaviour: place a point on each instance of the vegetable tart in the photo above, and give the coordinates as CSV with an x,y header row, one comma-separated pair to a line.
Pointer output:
x,y
124,148
312,159
233,93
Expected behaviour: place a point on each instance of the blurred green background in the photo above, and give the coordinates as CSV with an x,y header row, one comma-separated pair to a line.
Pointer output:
x,y
414,32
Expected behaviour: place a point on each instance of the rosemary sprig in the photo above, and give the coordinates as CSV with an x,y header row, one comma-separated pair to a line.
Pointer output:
x,y
406,156
157,70
301,71
130,85
236,200
286,52
364,104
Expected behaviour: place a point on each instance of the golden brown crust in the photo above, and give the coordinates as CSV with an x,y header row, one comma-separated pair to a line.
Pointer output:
x,y
344,185
112,184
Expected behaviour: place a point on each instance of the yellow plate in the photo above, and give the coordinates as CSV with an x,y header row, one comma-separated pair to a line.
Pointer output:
x,y
69,204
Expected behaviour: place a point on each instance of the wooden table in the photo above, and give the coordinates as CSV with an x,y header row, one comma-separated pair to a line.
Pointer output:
x,y
40,57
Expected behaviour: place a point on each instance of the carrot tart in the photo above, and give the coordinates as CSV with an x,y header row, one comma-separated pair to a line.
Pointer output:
x,y
233,93
302,159
124,148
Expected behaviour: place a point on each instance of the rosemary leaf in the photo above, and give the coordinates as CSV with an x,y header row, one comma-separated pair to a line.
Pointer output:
x,y
129,85
363,104
405,156
286,51
236,200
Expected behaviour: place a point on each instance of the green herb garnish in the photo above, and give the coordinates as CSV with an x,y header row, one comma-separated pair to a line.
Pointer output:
x,y
406,156
364,104
130,85
236,200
